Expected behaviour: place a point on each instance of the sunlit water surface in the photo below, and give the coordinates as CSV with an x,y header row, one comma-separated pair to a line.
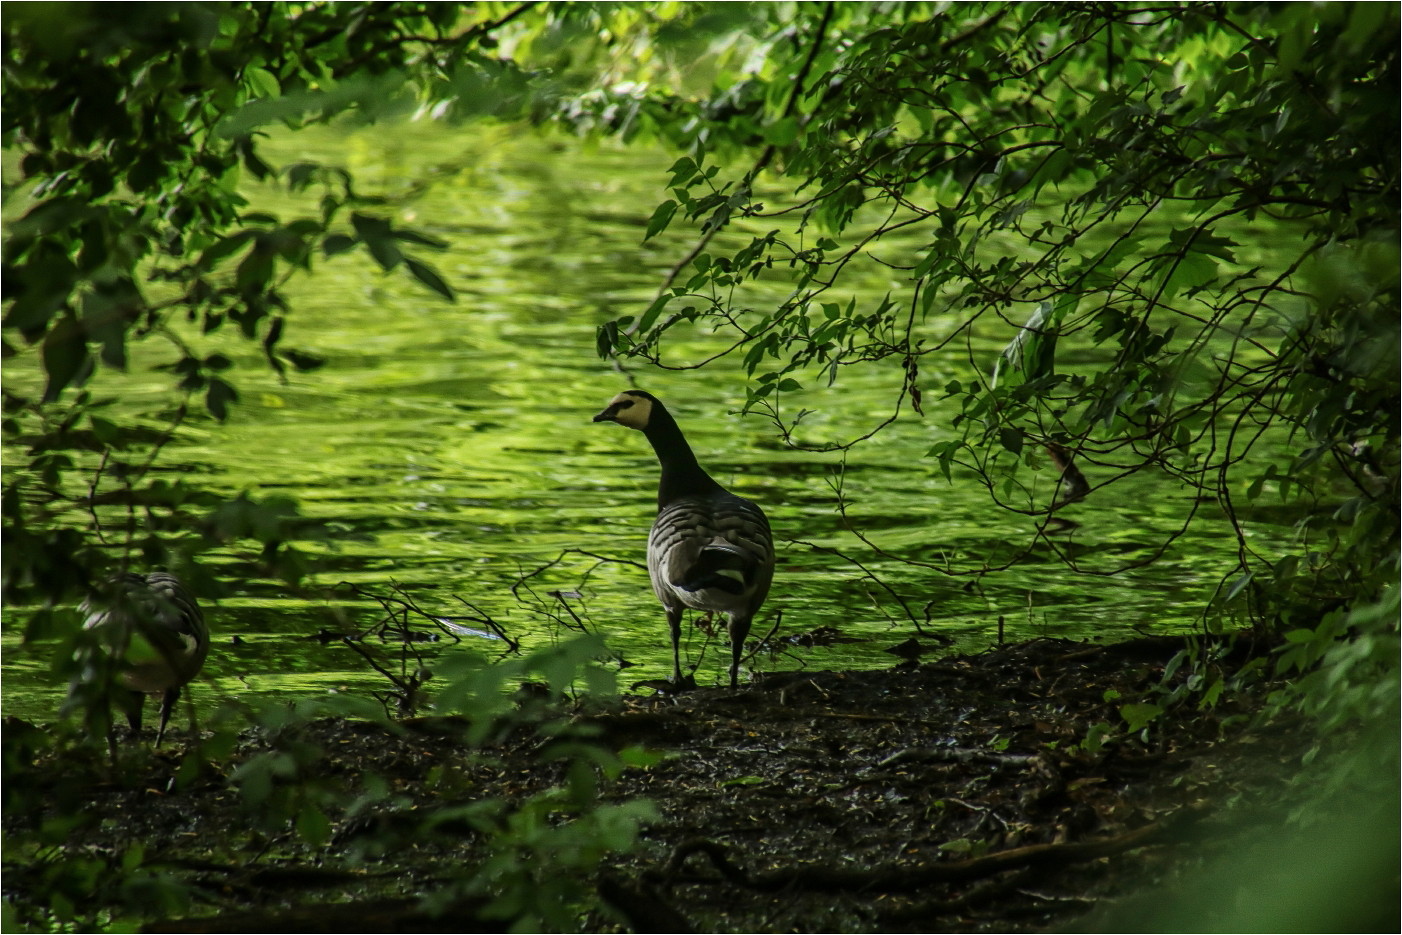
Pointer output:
x,y
449,447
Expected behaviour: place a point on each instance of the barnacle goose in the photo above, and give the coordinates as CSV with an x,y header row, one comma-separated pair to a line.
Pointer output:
x,y
708,549
153,624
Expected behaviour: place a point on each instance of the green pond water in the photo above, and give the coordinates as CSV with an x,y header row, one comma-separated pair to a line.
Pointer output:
x,y
449,447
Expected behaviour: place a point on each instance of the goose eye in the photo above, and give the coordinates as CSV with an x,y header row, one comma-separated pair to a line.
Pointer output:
x,y
624,403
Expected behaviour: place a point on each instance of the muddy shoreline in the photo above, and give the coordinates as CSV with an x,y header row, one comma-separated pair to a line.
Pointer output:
x,y
1003,791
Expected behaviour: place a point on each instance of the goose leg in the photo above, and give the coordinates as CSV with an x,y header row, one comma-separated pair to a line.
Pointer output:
x,y
167,705
674,621
739,629
134,702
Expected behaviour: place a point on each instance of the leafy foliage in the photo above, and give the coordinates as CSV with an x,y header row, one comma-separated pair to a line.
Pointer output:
x,y
1181,222
1177,222
129,246
527,861
128,228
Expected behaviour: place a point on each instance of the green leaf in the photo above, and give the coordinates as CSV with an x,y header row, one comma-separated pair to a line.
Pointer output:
x,y
302,360
263,82
66,358
300,174
337,243
1238,586
313,826
255,272
606,340
48,278
661,217
683,170
224,247
718,219
248,154
1097,735
378,237
420,238
1137,716
218,397
782,132
1212,245
106,430
745,781
1193,269
429,277
653,311
638,757
1011,439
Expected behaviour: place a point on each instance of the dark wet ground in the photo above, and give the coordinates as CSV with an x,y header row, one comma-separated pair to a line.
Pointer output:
x,y
997,792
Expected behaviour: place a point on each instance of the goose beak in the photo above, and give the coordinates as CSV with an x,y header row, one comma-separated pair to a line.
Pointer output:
x,y
608,415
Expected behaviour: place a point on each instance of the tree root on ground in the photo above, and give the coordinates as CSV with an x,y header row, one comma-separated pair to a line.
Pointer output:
x,y
898,879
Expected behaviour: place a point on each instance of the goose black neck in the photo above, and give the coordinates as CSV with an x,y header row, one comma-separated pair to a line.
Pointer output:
x,y
681,474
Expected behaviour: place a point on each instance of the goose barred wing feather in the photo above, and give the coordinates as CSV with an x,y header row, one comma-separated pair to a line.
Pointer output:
x,y
155,622
179,615
711,553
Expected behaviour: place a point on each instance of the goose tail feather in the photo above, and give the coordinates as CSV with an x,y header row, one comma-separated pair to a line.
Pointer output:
x,y
721,566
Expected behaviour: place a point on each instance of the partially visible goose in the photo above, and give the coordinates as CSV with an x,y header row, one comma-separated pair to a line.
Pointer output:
x,y
154,625
708,549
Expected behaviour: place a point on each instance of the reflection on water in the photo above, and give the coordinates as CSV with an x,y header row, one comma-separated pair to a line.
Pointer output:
x,y
450,450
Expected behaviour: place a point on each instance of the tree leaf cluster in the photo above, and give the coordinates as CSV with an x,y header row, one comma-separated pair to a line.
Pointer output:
x,y
525,861
1177,222
1181,222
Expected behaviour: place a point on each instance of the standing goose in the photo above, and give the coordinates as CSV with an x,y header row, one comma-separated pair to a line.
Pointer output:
x,y
153,624
708,549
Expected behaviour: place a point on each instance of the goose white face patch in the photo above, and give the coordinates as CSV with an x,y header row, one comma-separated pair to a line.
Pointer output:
x,y
627,409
